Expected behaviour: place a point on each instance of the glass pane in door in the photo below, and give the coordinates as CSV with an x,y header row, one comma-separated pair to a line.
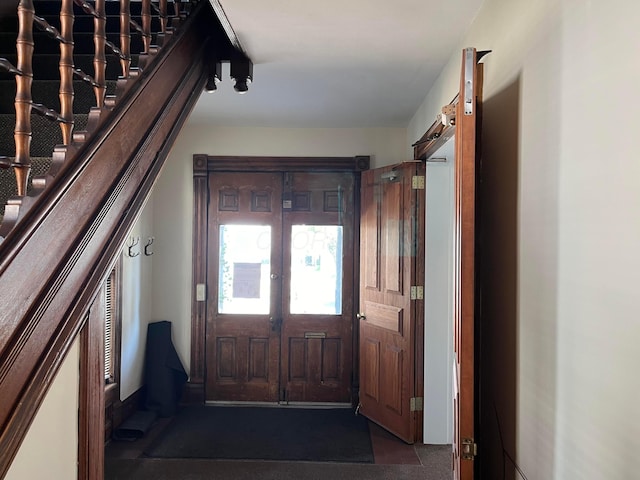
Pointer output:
x,y
316,269
244,269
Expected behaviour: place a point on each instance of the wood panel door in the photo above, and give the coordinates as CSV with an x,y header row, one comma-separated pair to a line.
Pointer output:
x,y
242,334
318,287
280,299
392,236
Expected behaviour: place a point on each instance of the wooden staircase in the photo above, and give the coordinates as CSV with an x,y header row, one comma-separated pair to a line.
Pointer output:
x,y
120,68
84,193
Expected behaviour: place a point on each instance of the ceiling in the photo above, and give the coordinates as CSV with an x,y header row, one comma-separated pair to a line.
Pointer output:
x,y
336,63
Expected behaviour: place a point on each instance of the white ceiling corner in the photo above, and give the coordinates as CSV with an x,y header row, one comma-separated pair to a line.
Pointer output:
x,y
348,63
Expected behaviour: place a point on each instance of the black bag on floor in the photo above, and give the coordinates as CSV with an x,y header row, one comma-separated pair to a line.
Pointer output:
x,y
164,374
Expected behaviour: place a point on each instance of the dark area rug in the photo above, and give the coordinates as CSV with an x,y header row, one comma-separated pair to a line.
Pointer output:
x,y
253,433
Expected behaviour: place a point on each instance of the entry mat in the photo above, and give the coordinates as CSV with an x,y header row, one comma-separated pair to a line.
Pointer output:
x,y
265,433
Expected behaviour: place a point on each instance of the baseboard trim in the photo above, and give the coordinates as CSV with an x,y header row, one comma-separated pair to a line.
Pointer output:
x,y
192,394
127,407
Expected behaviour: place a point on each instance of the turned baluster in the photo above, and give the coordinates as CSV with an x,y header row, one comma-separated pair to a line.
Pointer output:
x,y
66,70
176,7
163,16
146,25
22,132
99,56
125,37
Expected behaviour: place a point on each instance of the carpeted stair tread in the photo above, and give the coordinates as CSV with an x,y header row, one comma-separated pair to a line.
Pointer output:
x,y
46,66
46,78
39,166
82,21
83,42
44,7
46,93
47,135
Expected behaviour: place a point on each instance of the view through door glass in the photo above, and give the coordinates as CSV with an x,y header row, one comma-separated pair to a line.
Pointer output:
x,y
316,260
280,308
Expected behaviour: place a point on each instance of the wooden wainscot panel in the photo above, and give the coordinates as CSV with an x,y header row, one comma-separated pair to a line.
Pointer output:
x,y
384,316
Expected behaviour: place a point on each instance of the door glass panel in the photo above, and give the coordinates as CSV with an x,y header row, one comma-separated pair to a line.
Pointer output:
x,y
316,269
244,269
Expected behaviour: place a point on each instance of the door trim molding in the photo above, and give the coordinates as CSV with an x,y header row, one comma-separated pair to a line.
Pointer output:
x,y
203,164
279,164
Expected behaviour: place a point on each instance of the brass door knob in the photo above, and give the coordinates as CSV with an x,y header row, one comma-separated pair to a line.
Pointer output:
x,y
361,316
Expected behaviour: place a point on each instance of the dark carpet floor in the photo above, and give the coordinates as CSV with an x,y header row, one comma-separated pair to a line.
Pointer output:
x,y
167,469
299,434
394,460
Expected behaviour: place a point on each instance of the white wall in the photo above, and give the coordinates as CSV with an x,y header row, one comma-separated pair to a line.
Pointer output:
x,y
173,200
137,303
560,195
438,298
50,449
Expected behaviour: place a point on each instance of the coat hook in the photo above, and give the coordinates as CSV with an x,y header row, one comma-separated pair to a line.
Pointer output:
x,y
133,241
147,252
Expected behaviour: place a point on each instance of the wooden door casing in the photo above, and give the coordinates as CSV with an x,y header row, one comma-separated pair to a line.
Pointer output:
x,y
464,311
242,351
316,369
391,219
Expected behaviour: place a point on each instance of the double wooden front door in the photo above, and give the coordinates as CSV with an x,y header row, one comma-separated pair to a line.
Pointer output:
x,y
281,274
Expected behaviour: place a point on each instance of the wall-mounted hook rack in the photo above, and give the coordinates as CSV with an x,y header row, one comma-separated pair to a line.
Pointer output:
x,y
133,241
147,247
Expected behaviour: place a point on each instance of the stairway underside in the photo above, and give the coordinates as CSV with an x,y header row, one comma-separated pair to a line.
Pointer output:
x,y
54,259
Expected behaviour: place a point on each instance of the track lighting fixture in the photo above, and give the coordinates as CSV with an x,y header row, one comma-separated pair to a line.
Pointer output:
x,y
214,78
241,73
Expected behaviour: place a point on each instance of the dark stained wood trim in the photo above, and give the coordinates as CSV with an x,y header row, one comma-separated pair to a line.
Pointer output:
x,y
117,322
419,258
91,402
55,259
464,269
193,393
112,389
127,407
355,326
199,308
290,164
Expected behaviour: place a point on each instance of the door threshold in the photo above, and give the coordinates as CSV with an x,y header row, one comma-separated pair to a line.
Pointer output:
x,y
318,405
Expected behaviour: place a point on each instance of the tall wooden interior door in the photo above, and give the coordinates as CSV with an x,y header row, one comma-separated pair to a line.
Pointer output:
x,y
280,303
391,308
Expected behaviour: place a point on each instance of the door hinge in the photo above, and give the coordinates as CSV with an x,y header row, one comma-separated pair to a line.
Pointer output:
x,y
417,292
416,404
417,182
469,449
